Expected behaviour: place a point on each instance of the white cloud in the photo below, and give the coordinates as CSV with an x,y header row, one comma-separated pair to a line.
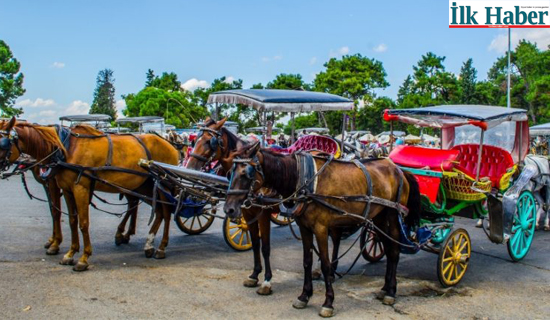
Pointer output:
x,y
313,60
274,58
229,79
47,113
78,107
58,65
338,53
539,35
380,48
194,83
38,103
121,105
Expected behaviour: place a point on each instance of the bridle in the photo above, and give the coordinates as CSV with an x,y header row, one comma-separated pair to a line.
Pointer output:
x,y
253,167
215,143
7,140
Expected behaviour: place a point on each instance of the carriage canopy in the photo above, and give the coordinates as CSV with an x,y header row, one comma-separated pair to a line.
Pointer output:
x,y
282,100
540,130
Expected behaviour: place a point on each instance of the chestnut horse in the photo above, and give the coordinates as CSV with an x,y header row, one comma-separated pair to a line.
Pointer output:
x,y
53,194
216,143
114,159
263,168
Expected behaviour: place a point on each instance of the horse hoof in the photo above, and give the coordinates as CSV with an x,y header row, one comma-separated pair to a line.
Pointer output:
x,y
118,240
52,251
546,228
316,275
149,252
380,295
264,290
389,301
326,312
67,261
250,283
160,254
299,304
80,266
47,245
125,239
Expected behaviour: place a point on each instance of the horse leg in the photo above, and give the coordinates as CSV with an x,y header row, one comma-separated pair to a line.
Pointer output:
x,y
336,236
265,230
68,258
119,236
133,204
166,213
253,228
82,200
54,197
321,233
392,255
149,243
307,292
541,214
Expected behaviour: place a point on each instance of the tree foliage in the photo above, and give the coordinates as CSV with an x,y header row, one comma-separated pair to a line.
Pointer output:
x,y
11,82
289,82
104,94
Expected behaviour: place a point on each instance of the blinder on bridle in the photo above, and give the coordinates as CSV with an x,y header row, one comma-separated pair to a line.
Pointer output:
x,y
6,141
250,174
214,143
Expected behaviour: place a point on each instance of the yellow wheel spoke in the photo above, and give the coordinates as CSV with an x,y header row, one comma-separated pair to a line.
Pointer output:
x,y
236,233
233,227
199,219
448,259
447,268
463,246
241,239
192,223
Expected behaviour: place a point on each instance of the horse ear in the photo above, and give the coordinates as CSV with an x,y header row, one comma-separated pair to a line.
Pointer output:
x,y
11,124
253,149
220,123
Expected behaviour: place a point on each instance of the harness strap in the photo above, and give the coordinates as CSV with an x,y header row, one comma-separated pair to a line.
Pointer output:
x,y
369,185
109,161
149,157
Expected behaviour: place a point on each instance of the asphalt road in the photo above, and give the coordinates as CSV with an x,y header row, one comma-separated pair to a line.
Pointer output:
x,y
201,276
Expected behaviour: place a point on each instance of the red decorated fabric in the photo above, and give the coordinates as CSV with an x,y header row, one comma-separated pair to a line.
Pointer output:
x,y
494,161
311,142
420,157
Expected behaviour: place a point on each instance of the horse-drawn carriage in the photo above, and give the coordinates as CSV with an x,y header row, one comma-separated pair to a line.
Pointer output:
x,y
477,173
540,139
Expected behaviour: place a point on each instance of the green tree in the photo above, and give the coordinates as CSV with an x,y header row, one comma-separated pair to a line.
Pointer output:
x,y
104,94
288,81
150,76
179,108
371,116
11,82
167,81
219,110
429,84
354,77
467,82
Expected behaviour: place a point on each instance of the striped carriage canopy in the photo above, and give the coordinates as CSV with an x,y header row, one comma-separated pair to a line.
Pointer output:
x,y
282,100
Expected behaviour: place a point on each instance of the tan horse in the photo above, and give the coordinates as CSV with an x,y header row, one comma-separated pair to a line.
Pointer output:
x,y
88,152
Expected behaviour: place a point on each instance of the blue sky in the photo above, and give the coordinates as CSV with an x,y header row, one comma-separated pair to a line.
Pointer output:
x,y
63,44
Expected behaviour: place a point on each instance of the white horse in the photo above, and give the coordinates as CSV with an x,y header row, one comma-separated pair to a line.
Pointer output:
x,y
540,186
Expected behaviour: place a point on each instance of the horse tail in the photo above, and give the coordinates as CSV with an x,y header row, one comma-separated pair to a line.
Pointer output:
x,y
414,202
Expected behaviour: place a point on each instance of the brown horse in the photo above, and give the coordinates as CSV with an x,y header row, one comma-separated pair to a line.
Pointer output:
x,y
116,159
263,168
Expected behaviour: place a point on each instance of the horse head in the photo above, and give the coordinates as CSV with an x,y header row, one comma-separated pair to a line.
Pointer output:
x,y
246,178
9,144
208,146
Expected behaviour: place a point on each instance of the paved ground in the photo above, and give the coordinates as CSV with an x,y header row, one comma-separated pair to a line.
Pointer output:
x,y
201,276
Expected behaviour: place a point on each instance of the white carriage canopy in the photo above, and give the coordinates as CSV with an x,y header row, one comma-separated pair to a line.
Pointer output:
x,y
502,127
267,100
540,130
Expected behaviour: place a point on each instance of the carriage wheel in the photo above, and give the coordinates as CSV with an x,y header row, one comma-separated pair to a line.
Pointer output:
x,y
236,235
454,258
195,224
373,249
523,227
280,220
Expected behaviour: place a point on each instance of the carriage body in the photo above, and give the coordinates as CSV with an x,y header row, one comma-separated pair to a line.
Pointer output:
x,y
475,173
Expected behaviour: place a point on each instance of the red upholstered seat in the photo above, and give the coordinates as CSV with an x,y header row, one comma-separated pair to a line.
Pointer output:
x,y
420,157
495,161
311,142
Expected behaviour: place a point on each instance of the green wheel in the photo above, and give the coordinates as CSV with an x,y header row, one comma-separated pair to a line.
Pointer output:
x,y
523,227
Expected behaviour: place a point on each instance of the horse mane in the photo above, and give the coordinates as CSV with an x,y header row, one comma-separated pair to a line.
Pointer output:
x,y
39,141
280,172
232,139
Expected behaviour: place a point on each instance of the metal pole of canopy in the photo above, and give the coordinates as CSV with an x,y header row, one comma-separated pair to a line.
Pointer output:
x,y
391,136
265,129
343,133
479,154
509,71
292,128
520,139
